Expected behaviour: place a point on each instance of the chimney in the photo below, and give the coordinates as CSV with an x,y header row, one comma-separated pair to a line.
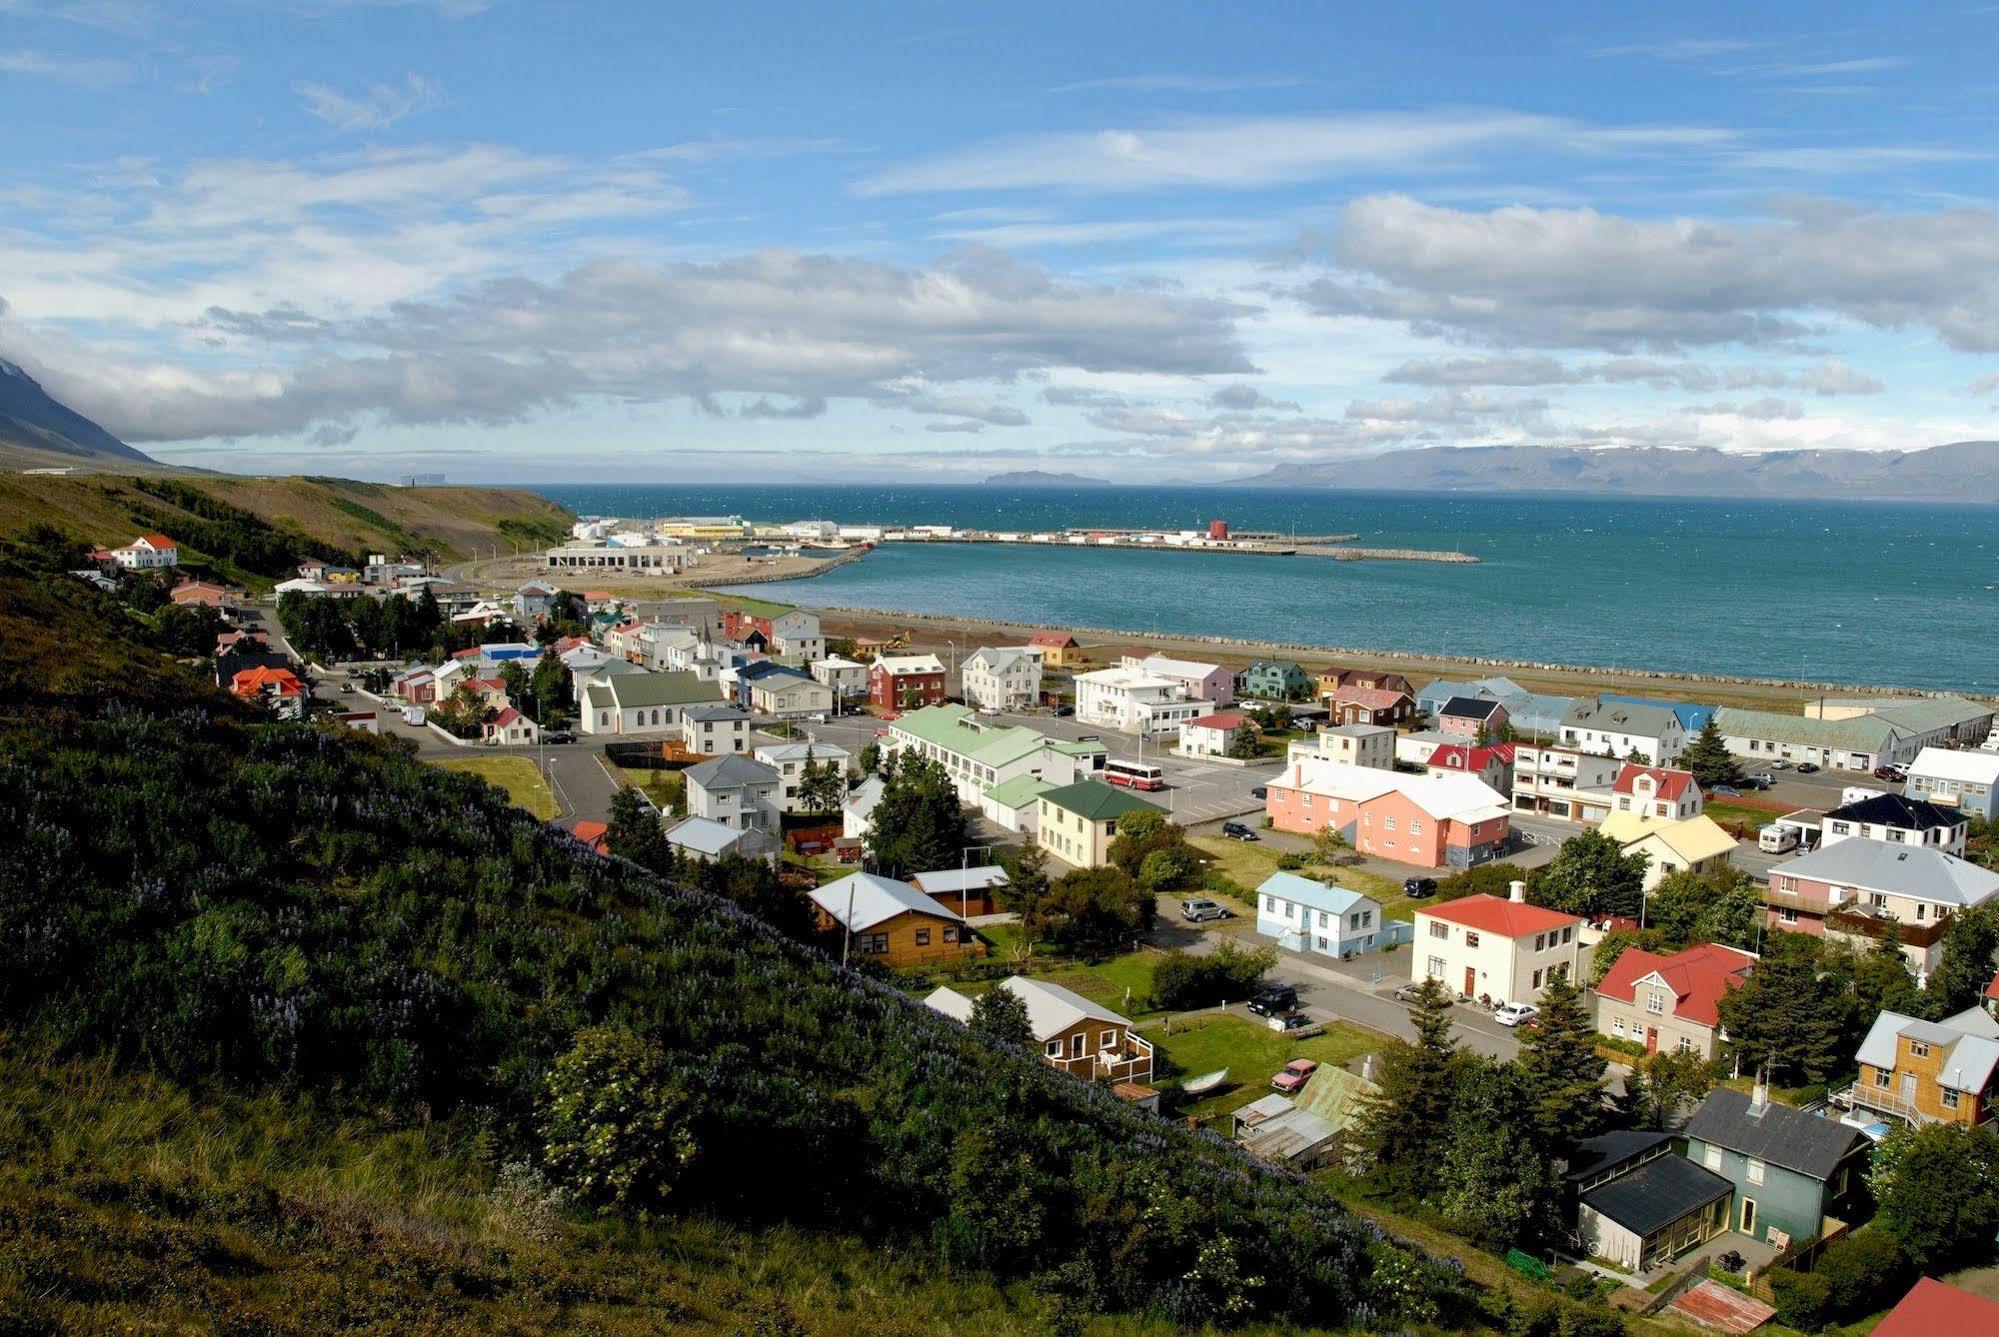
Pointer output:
x,y
1759,1097
1367,1069
1516,892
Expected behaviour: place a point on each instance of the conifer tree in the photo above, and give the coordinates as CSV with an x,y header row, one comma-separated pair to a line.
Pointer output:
x,y
1562,1069
1404,1122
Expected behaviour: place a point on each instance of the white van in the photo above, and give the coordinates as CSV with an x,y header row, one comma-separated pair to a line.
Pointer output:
x,y
1777,839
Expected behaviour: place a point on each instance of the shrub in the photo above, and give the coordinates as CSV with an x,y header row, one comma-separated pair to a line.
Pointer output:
x,y
615,1130
1182,982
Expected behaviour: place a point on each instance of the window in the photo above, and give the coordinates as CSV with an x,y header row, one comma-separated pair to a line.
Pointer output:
x,y
1537,979
1107,1039
1949,1099
1471,939
923,937
1322,942
1918,1049
1787,916
1388,823
874,944
1755,1170
1270,904
1540,942
1617,1026
1439,930
1656,1003
1882,1076
1415,828
1436,967
1568,933
1076,1043
1712,1157
950,933
1053,1049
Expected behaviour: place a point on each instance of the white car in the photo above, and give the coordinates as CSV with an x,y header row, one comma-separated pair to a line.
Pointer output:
x,y
1512,1014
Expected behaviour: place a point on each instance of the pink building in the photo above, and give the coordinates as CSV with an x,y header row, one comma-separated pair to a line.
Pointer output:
x,y
1468,716
1204,682
1430,821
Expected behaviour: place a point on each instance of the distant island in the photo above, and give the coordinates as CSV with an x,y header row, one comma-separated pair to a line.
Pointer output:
x,y
1038,478
1960,471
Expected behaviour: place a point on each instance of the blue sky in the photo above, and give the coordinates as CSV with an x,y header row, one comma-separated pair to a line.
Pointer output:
x,y
553,241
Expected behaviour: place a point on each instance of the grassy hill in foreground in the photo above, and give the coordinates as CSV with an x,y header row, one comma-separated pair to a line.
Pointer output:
x,y
298,1034
340,516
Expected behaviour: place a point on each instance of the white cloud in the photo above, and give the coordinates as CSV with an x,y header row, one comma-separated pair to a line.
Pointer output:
x,y
1834,377
375,108
84,71
1247,399
1242,153
1578,278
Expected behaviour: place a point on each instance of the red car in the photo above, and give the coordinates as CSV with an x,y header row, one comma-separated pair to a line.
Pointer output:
x,y
1294,1075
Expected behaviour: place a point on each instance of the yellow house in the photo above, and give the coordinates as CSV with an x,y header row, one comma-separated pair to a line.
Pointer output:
x,y
1058,649
1696,845
1076,823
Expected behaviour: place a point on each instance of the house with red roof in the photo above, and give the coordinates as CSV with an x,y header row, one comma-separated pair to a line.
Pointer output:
x,y
593,834
1935,1308
1371,705
200,594
510,728
278,688
1656,791
1670,1002
1495,947
148,552
1058,648
1211,735
1493,763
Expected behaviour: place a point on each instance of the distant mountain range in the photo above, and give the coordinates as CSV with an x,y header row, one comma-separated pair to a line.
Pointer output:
x,y
1040,478
1961,471
37,432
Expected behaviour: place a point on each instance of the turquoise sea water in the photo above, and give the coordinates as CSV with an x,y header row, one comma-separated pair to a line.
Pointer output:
x,y
1839,592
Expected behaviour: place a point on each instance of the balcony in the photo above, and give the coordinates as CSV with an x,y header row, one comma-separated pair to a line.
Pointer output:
x,y
1791,900
1883,1100
1859,923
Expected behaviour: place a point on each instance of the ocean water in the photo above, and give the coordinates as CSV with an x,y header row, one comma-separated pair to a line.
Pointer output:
x,y
1835,592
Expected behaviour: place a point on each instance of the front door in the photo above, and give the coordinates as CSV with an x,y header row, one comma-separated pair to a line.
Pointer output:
x,y
1749,1217
1471,981
1651,1039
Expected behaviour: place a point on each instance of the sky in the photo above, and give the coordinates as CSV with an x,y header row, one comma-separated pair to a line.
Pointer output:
x,y
553,241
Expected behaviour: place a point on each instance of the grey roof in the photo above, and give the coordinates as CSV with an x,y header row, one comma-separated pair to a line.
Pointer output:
x,y
1921,872
949,880
1806,1143
1932,713
730,772
711,838
998,657
1596,1153
1591,712
714,713
1862,733
1656,1194
1971,1055
1051,1009
873,899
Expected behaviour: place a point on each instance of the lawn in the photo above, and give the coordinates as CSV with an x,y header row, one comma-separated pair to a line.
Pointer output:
x,y
516,775
1248,863
1733,814
1251,1052
666,789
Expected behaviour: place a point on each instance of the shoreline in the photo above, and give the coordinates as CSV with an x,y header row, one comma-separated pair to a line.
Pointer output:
x,y
1763,691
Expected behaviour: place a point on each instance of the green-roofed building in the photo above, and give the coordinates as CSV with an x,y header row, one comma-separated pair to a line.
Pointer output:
x,y
981,755
1012,804
1076,822
1857,743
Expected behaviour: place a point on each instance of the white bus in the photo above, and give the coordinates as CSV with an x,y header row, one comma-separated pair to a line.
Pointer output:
x,y
1135,774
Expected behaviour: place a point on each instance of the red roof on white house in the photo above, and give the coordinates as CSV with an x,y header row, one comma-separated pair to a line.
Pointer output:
x,y
1496,914
1223,719
1698,977
1458,757
154,541
1670,785
506,717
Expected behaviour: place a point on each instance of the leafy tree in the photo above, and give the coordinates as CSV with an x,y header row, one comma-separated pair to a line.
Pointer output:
x,y
1491,879
551,691
1970,940
1002,1014
1876,977
1562,1069
1182,981
514,678
919,824
1096,911
1614,944
1937,1188
186,632
1788,1014
1328,844
1661,1085
1496,1184
870,759
1592,876
1709,759
633,831
1404,1123
1688,908
616,1124
1152,850
461,714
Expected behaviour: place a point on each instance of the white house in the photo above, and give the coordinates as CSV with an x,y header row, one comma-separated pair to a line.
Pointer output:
x,y
1002,677
642,703
1134,701
1623,729
1897,820
790,696
1486,947
789,761
735,791
1211,735
1967,781
148,552
1656,791
858,812
715,731
1371,745
1201,682
1308,916
1563,782
847,678
710,840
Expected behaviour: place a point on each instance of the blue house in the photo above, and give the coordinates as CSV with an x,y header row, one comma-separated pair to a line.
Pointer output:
x,y
1275,680
1791,1170
1308,916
